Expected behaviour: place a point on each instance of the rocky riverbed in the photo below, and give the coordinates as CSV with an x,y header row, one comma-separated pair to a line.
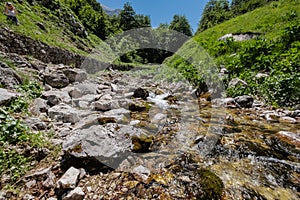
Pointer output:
x,y
127,135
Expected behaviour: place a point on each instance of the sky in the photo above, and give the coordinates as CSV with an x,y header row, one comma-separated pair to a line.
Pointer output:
x,y
162,11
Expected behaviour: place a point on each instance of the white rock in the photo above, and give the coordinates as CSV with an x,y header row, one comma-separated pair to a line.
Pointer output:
x,y
272,117
6,96
288,120
69,179
236,81
142,171
76,194
28,197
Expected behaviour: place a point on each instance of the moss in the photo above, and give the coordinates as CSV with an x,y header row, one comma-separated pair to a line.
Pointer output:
x,y
211,185
77,148
142,143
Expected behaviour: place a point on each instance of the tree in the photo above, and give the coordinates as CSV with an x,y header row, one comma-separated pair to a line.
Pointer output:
x,y
163,26
240,7
181,24
127,17
215,12
142,21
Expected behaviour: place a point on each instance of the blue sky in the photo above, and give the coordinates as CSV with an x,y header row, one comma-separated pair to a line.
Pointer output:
x,y
162,11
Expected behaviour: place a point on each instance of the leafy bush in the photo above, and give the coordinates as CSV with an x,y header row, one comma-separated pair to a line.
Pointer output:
x,y
12,130
12,163
278,59
29,90
14,134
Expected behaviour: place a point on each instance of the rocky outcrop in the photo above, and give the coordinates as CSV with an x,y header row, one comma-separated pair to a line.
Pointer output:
x,y
239,37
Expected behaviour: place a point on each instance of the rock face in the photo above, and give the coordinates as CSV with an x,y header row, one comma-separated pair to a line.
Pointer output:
x,y
6,96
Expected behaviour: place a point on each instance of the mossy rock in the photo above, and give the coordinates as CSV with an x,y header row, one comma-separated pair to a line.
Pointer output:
x,y
139,106
211,185
142,143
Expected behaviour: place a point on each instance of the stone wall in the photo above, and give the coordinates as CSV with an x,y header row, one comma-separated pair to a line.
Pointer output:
x,y
11,42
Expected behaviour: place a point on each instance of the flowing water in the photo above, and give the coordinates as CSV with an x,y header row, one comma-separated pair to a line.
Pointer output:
x,y
254,158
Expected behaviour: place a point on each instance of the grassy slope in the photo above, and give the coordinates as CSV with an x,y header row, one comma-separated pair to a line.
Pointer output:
x,y
57,33
268,20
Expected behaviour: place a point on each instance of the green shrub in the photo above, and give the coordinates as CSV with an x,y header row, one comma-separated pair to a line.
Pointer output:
x,y
13,164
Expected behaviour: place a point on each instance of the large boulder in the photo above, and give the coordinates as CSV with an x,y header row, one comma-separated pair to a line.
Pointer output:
x,y
75,75
64,113
57,80
141,93
108,144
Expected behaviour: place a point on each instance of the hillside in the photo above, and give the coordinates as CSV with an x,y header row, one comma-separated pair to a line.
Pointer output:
x,y
269,21
274,53
53,23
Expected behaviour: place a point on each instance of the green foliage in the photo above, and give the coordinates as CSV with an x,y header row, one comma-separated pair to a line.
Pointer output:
x,y
280,59
239,7
229,46
215,12
130,20
31,89
211,185
90,13
13,164
12,130
276,53
58,32
281,89
181,24
127,17
14,134
218,11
